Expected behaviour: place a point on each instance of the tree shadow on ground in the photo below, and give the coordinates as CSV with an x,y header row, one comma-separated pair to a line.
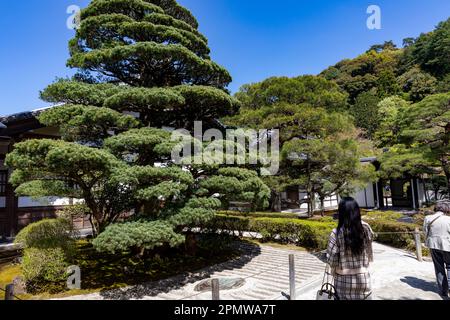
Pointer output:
x,y
427,286
151,289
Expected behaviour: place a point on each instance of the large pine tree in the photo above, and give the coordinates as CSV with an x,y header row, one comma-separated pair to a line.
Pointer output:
x,y
144,58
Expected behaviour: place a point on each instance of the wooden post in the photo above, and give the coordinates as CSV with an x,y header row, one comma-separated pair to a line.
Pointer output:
x,y
293,294
9,294
418,244
215,289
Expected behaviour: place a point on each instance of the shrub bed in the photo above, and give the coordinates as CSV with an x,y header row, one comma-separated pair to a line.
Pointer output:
x,y
305,233
258,214
396,240
44,270
48,248
312,233
48,234
387,221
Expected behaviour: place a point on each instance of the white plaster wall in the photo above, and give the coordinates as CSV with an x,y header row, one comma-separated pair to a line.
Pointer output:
x,y
26,202
360,197
422,197
303,196
133,114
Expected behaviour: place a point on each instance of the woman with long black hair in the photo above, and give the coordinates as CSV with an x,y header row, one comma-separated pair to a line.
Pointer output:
x,y
350,253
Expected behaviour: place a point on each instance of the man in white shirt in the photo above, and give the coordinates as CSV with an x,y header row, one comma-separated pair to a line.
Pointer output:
x,y
437,231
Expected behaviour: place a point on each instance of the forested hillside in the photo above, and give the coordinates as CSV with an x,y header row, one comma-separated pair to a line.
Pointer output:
x,y
398,98
419,69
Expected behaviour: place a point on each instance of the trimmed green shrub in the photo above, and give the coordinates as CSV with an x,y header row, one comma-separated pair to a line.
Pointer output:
x,y
228,224
306,233
387,222
309,234
383,215
323,219
312,233
259,214
49,245
48,234
397,240
44,270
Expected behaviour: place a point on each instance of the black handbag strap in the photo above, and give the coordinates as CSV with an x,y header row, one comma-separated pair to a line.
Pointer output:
x,y
328,288
430,224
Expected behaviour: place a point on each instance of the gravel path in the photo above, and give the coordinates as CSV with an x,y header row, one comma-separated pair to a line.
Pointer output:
x,y
265,271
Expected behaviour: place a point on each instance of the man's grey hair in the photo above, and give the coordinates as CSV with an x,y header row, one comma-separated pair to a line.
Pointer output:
x,y
443,206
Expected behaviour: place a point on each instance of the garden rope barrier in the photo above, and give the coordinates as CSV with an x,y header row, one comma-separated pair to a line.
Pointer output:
x,y
1,289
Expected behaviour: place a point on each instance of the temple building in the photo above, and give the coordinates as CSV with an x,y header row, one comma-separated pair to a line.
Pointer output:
x,y
18,212
407,193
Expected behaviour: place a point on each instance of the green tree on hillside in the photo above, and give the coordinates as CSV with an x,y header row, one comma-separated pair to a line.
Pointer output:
x,y
304,90
387,45
390,114
366,113
417,70
427,130
374,71
422,139
431,51
417,84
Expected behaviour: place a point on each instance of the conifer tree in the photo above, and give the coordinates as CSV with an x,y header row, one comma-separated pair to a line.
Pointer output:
x,y
142,65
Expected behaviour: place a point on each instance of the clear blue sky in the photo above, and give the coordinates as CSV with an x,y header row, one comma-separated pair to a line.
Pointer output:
x,y
253,39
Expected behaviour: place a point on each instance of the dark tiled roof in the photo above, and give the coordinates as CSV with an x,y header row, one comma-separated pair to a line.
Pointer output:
x,y
2,126
27,115
19,117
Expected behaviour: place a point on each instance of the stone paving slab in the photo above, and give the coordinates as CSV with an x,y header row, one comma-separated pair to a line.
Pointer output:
x,y
396,275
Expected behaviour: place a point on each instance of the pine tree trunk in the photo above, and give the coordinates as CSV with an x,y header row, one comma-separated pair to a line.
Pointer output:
x,y
274,201
425,190
322,206
191,244
312,202
94,226
447,174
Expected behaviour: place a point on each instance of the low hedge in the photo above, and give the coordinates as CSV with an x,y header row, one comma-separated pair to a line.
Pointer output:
x,y
382,215
48,234
44,270
48,248
305,233
312,233
396,240
259,214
